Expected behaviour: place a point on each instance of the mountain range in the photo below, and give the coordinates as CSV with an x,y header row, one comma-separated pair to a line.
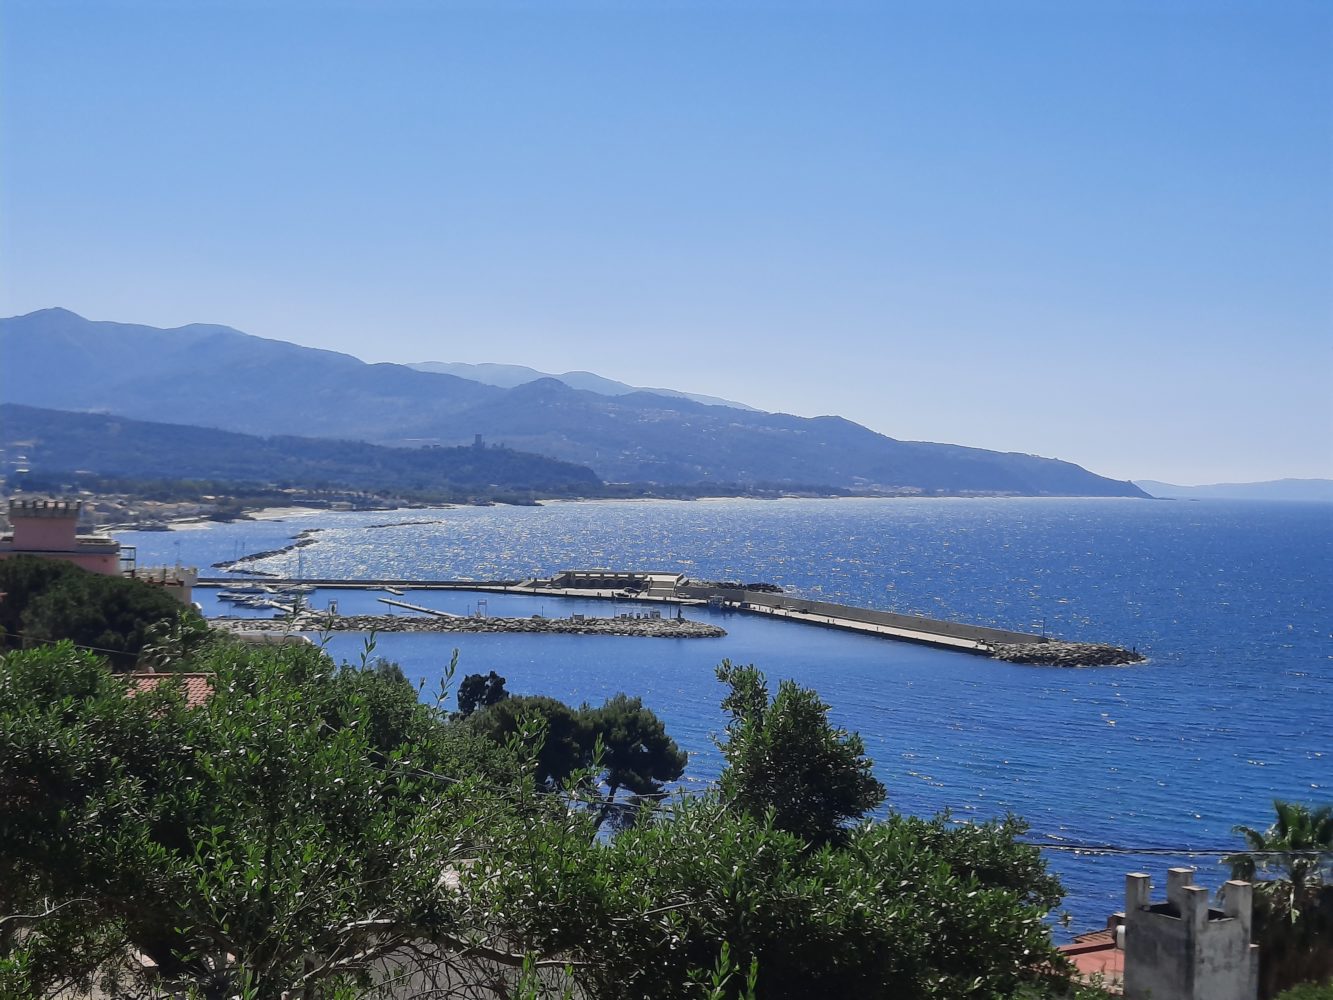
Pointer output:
x,y
508,376
214,376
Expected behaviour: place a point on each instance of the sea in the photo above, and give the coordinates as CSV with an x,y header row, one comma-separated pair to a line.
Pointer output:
x,y
1115,769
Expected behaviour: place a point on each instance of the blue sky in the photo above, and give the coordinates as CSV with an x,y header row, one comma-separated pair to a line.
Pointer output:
x,y
1101,231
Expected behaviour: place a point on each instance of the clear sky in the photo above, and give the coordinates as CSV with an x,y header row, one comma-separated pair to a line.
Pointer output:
x,y
1098,230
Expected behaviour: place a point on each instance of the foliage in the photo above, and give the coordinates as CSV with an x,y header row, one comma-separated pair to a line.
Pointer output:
x,y
393,709
477,692
1293,914
172,641
884,917
634,752
310,823
565,740
47,600
622,744
787,757
265,825
1299,844
1308,991
1294,945
23,579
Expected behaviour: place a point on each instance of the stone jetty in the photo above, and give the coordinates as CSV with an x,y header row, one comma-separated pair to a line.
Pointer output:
x,y
1056,653
626,625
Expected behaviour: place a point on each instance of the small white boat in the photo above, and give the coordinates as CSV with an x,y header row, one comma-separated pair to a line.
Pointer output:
x,y
236,596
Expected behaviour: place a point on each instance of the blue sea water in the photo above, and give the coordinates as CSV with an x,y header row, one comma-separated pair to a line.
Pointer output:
x,y
1232,602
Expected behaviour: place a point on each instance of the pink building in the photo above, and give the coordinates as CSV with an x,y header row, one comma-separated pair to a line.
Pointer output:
x,y
49,529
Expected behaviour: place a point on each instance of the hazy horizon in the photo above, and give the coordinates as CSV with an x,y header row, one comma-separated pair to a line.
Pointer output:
x,y
1096,232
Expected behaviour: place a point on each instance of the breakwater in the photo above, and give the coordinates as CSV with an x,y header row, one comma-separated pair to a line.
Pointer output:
x,y
664,588
1056,653
981,640
624,625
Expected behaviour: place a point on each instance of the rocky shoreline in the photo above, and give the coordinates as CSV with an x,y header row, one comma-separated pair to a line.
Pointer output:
x,y
1057,653
322,621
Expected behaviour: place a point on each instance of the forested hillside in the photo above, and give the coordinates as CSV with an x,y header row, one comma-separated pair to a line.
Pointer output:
x,y
56,441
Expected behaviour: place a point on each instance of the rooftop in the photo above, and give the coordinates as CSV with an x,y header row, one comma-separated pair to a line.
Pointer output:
x,y
1095,955
197,688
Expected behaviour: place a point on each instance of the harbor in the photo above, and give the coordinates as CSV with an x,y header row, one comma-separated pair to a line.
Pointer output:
x,y
661,588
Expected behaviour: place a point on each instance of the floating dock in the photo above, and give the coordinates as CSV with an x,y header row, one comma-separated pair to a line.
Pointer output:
x,y
418,608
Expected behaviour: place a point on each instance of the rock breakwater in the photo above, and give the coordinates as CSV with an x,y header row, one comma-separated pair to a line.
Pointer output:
x,y
1056,653
240,565
661,628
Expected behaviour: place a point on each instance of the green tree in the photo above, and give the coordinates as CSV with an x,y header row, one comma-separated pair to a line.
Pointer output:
x,y
261,844
564,742
47,601
1295,945
172,641
622,746
477,691
888,916
635,754
23,578
393,709
787,757
1299,844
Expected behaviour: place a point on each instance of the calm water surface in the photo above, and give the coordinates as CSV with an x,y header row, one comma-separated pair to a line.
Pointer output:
x,y
1233,603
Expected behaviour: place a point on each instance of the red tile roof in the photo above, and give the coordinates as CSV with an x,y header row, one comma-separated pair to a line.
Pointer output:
x,y
197,688
1095,954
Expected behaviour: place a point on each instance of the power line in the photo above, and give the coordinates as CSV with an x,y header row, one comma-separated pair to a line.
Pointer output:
x,y
57,642
1173,851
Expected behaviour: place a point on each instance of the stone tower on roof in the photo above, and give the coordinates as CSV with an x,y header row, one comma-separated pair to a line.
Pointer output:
x,y
1185,949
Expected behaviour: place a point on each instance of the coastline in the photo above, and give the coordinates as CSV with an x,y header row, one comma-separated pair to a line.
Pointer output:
x,y
282,513
190,522
197,523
